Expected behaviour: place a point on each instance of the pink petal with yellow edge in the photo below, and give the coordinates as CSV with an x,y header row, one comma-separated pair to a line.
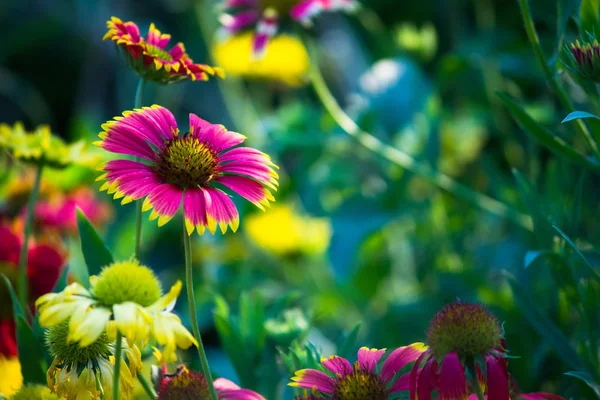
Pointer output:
x,y
246,154
177,52
338,365
194,210
414,375
119,138
368,358
156,38
215,136
134,179
165,200
452,383
220,210
313,379
259,172
154,124
252,191
497,378
399,358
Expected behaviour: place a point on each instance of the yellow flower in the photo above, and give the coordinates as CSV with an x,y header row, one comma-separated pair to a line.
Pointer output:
x,y
286,59
42,147
34,392
11,379
281,231
125,297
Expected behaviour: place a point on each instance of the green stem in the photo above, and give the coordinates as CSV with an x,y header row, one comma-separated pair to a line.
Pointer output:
x,y
405,160
139,94
189,283
147,386
22,287
551,77
117,372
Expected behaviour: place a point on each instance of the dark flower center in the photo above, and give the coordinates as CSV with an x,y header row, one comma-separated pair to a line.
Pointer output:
x,y
159,53
467,329
185,385
360,385
281,6
187,162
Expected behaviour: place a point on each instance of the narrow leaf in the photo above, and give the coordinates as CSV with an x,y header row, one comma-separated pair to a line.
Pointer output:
x,y
579,115
585,377
578,252
543,136
95,253
532,255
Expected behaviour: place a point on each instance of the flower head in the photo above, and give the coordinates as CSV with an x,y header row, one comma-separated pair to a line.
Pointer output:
x,y
11,378
582,59
193,166
186,384
89,370
461,335
363,380
126,297
283,232
151,59
42,147
286,61
264,15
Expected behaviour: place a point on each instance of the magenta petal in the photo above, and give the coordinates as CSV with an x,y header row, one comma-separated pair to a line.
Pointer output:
x,y
155,124
311,378
177,52
252,191
452,383
215,136
10,246
165,199
427,380
497,378
239,21
134,179
398,360
338,365
368,358
306,9
266,29
401,384
222,384
245,154
541,396
414,375
194,209
220,210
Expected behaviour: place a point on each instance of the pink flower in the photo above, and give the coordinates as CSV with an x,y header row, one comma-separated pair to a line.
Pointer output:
x,y
344,381
196,167
264,15
150,58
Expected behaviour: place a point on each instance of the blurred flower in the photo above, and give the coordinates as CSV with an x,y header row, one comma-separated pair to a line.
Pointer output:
x,y
582,59
284,232
462,138
286,60
59,211
362,380
87,372
263,16
290,326
44,263
127,297
185,166
422,43
41,147
461,333
11,379
186,384
34,392
150,58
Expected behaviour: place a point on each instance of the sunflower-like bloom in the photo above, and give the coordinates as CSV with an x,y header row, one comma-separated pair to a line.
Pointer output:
x,y
150,58
363,380
187,384
11,379
263,16
284,232
126,297
460,333
193,167
286,61
42,147
87,372
44,264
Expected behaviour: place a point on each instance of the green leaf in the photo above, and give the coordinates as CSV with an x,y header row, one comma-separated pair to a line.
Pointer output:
x,y
589,12
31,354
545,137
532,255
95,253
578,252
544,325
585,377
579,115
347,346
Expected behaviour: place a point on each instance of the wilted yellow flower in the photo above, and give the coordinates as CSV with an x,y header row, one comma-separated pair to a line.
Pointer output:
x,y
11,379
127,297
42,147
286,59
283,232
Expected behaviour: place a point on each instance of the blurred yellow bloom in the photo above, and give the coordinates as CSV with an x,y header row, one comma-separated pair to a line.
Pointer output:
x,y
34,392
11,379
42,147
286,59
281,231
